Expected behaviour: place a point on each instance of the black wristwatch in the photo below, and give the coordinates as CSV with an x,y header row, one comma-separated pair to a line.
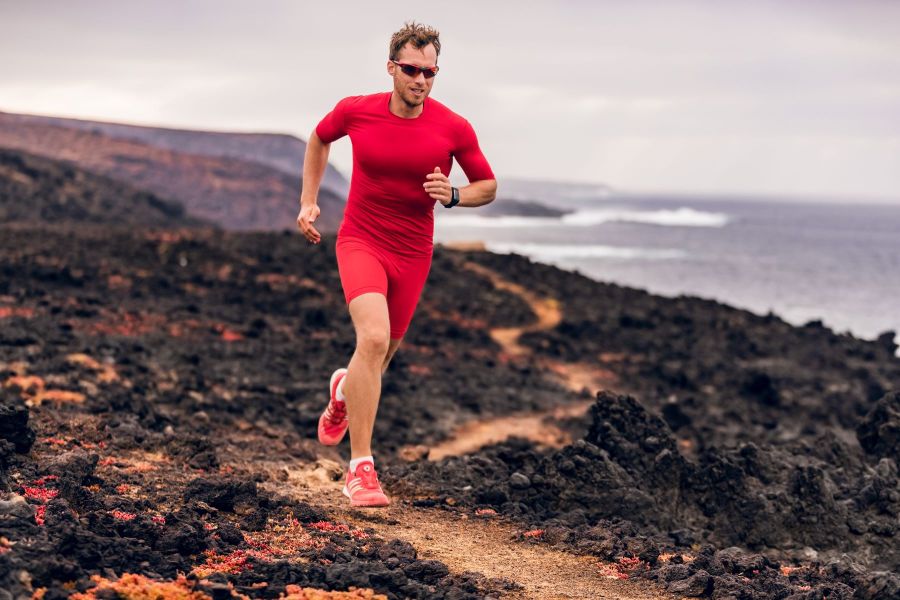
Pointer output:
x,y
455,198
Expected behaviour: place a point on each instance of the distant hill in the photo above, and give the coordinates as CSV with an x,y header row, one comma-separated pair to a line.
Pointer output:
x,y
279,151
519,208
34,189
231,192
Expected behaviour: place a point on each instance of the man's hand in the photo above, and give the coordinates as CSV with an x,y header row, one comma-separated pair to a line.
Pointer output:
x,y
438,186
308,214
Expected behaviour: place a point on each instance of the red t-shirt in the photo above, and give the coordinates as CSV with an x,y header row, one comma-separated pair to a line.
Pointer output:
x,y
391,157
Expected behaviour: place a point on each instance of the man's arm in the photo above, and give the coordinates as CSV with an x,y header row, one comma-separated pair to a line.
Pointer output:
x,y
478,193
315,160
482,187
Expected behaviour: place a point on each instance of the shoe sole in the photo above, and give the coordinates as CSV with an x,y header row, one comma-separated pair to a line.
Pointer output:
x,y
363,503
334,376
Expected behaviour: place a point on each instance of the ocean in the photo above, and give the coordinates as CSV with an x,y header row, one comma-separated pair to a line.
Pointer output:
x,y
838,263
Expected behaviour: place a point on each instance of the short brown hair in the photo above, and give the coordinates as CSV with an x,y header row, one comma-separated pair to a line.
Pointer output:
x,y
420,35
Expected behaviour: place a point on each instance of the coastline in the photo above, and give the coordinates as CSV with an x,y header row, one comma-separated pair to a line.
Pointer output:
x,y
481,244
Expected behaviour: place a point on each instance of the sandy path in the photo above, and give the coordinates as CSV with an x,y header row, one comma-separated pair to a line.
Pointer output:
x,y
547,310
492,546
535,426
576,376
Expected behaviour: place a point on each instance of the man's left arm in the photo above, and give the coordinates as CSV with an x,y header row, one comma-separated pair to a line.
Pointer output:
x,y
478,193
482,187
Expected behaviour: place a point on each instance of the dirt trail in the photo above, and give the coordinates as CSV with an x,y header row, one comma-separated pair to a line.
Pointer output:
x,y
490,546
547,310
535,426
576,376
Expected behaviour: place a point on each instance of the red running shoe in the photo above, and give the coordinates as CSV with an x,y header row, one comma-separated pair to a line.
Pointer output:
x,y
362,487
333,422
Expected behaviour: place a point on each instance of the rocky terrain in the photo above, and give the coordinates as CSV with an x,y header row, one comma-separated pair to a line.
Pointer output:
x,y
540,434
742,431
37,190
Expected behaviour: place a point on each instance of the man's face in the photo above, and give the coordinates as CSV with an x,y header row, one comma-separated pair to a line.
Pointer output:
x,y
413,90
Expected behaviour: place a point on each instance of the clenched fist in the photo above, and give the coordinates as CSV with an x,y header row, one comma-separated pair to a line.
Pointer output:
x,y
438,186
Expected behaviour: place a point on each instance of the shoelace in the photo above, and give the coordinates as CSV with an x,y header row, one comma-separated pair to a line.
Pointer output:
x,y
368,476
336,412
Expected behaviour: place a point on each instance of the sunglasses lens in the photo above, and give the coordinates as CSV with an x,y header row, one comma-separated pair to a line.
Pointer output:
x,y
413,70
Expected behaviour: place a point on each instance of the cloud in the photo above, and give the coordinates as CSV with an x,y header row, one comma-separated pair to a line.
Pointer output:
x,y
773,97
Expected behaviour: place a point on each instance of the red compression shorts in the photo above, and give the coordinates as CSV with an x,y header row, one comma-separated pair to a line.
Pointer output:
x,y
364,267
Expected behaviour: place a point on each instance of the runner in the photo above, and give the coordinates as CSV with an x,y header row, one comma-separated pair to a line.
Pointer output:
x,y
404,144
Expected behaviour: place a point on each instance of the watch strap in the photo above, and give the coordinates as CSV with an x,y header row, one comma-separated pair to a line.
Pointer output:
x,y
454,198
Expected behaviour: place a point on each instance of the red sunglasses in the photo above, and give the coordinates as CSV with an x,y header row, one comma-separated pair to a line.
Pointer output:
x,y
413,70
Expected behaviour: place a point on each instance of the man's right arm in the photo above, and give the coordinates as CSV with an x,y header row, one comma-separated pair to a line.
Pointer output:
x,y
315,160
332,127
314,163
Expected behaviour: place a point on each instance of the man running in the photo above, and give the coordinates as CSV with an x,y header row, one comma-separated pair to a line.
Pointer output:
x,y
404,144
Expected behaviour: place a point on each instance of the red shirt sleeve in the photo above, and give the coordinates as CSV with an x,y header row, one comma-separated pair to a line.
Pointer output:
x,y
333,125
469,156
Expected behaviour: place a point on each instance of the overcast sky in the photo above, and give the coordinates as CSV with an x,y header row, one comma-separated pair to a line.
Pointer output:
x,y
775,98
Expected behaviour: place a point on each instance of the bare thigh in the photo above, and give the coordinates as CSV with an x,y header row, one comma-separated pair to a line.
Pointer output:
x,y
369,312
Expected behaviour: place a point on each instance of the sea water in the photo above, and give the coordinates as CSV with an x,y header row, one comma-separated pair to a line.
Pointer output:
x,y
838,263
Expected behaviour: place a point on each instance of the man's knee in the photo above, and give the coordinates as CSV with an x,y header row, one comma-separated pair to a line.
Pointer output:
x,y
373,342
370,318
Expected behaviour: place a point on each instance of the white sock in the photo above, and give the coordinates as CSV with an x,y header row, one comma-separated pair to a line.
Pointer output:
x,y
355,462
339,395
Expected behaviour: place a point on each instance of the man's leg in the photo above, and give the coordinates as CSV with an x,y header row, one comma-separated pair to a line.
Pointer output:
x,y
404,289
362,386
392,349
